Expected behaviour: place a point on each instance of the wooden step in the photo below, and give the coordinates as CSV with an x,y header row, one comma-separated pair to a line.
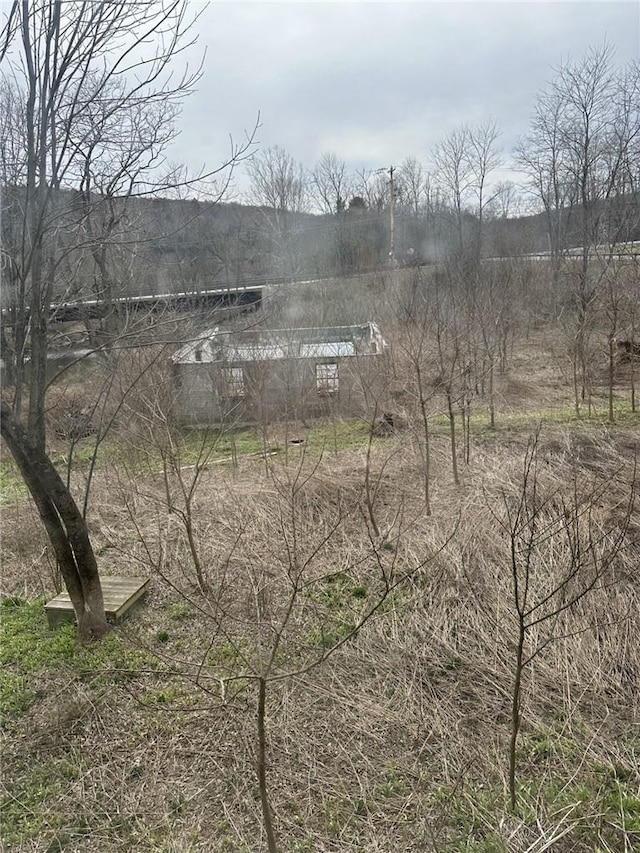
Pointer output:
x,y
120,595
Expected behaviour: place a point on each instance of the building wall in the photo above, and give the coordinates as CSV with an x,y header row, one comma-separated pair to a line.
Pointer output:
x,y
276,390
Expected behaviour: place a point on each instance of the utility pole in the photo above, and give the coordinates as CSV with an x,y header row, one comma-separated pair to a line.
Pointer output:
x,y
392,217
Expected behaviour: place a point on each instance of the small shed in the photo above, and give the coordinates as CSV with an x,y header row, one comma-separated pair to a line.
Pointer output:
x,y
261,376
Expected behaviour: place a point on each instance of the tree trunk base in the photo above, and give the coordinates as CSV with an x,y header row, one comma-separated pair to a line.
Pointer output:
x,y
92,627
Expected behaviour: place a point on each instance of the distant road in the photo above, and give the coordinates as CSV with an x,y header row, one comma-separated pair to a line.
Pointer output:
x,y
244,293
249,291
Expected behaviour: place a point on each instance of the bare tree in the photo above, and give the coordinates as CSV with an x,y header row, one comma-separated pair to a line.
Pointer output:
x,y
284,599
97,104
540,156
416,355
278,181
483,159
416,203
414,186
581,159
280,185
629,349
331,188
12,164
454,175
330,185
537,524
453,372
465,159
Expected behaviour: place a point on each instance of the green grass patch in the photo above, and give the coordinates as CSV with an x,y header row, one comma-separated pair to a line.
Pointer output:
x,y
227,655
510,421
24,811
321,436
171,696
189,448
111,660
12,486
200,445
82,454
28,647
180,612
335,605
337,435
596,809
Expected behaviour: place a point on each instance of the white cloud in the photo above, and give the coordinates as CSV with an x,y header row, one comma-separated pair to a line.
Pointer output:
x,y
376,82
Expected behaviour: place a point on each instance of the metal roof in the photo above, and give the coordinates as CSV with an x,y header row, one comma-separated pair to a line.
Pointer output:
x,y
214,345
335,349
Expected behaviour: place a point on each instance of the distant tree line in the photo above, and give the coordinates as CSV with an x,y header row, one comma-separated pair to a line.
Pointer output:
x,y
117,235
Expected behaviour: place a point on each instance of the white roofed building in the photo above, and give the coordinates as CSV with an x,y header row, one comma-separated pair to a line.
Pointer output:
x,y
260,376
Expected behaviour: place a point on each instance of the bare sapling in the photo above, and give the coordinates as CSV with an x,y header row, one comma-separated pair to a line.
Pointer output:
x,y
449,356
110,401
285,595
416,362
304,601
558,551
183,460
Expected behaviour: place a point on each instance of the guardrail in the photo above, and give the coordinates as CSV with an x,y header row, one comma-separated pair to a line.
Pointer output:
x,y
244,294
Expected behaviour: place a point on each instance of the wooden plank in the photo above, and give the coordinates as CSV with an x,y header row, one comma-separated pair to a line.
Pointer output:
x,y
120,595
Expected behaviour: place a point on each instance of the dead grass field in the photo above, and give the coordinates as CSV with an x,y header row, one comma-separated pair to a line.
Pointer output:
x,y
399,739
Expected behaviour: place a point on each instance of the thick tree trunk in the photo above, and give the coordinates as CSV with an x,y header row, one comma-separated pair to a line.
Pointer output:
x,y
65,526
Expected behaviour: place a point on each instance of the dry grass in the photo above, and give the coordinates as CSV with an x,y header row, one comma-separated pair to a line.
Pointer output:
x,y
397,741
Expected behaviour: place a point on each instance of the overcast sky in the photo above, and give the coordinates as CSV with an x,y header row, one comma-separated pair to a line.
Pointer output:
x,y
375,82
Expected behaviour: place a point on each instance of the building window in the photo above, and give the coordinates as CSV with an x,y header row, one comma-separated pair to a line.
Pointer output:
x,y
233,382
326,379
